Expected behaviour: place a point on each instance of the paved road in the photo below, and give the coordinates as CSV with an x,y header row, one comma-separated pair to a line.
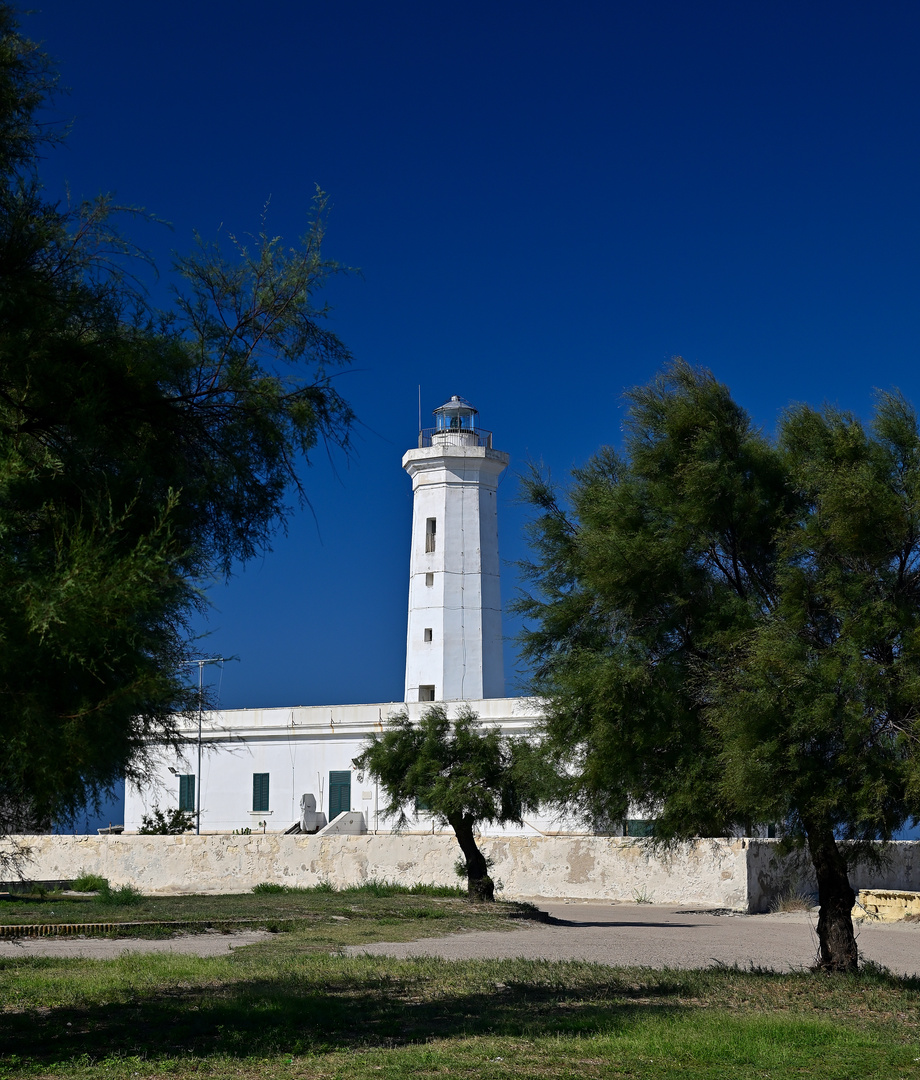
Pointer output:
x,y
662,935
619,934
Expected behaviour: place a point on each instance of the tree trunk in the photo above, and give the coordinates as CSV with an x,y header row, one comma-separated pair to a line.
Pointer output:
x,y
479,885
835,895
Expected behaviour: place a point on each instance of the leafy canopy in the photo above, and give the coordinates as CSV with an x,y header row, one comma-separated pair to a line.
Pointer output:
x,y
141,453
726,628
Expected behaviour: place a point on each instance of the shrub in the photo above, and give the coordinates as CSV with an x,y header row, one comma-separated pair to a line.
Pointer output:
x,y
90,883
123,896
172,823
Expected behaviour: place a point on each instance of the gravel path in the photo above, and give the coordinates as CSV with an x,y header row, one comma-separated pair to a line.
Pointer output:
x,y
211,943
662,935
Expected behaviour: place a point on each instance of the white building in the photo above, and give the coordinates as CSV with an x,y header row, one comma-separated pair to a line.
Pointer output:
x,y
258,764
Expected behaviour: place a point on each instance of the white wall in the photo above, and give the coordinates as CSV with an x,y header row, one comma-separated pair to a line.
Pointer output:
x,y
717,873
298,748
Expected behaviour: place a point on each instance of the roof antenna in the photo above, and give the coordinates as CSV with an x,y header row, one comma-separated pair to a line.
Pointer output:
x,y
419,408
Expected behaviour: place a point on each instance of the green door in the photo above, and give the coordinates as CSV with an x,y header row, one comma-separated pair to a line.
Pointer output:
x,y
339,793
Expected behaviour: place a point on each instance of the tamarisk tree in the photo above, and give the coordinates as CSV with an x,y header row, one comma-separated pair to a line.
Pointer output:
x,y
461,773
726,627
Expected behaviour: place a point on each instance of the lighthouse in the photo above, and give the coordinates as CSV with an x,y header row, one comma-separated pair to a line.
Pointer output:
x,y
454,643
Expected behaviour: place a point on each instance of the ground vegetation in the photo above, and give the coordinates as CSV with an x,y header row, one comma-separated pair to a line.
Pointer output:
x,y
283,1009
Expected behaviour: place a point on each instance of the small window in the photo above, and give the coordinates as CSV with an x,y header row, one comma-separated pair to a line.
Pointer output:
x,y
260,792
640,827
422,807
429,580
428,633
431,530
187,793
426,693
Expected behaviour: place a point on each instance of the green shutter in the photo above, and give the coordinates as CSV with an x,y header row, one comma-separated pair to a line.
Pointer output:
x,y
187,792
260,791
339,793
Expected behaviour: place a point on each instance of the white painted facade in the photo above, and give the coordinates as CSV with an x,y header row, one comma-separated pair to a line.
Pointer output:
x,y
299,750
454,638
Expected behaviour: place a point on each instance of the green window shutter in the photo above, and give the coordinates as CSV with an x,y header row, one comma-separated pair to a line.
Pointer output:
x,y
187,792
339,793
260,791
640,827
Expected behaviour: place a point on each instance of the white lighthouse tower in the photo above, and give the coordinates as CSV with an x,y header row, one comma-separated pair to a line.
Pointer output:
x,y
454,646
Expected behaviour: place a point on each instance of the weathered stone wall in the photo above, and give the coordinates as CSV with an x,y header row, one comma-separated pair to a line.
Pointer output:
x,y
770,875
584,867
741,874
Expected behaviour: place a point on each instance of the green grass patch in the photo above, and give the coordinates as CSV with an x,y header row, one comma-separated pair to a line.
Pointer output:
x,y
90,883
267,1010
371,887
314,921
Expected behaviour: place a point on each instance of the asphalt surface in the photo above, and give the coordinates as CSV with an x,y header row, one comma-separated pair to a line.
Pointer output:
x,y
658,936
641,935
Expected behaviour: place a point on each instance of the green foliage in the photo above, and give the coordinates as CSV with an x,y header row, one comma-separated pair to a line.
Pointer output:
x,y
120,896
727,628
371,887
463,773
169,823
90,883
141,453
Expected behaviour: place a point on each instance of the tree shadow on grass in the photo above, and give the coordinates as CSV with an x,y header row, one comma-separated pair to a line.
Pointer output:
x,y
291,1014
343,1003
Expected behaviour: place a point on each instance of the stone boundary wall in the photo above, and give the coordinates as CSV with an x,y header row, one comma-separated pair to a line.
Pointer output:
x,y
740,874
770,875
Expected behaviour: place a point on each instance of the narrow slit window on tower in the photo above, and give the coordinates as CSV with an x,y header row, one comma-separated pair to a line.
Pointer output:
x,y
428,633
426,693
431,529
429,580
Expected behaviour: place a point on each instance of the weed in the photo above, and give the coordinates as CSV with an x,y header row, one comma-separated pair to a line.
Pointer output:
x,y
123,896
792,900
90,883
641,896
270,887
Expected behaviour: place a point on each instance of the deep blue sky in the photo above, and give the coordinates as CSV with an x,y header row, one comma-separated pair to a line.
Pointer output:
x,y
546,201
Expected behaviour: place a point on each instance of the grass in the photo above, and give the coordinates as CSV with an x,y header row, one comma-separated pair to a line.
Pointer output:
x,y
273,1010
294,1007
270,906
315,920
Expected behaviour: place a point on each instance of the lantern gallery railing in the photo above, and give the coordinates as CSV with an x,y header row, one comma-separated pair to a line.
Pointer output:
x,y
448,436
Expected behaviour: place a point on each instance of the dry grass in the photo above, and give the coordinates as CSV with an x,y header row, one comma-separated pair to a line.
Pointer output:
x,y
792,900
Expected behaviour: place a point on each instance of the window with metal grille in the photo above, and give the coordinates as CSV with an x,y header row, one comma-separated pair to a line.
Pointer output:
x,y
260,791
426,693
431,530
187,792
339,793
